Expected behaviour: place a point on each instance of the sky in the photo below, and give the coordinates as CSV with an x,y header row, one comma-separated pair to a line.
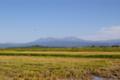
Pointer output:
x,y
28,20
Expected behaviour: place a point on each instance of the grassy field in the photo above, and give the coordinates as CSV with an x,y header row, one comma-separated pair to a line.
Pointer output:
x,y
81,49
58,65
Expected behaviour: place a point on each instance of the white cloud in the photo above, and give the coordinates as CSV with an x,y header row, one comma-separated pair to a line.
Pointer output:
x,y
108,33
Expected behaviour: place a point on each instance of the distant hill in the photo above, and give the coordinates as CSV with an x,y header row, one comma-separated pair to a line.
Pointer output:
x,y
63,42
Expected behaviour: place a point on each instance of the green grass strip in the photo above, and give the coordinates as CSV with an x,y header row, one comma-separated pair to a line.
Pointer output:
x,y
117,56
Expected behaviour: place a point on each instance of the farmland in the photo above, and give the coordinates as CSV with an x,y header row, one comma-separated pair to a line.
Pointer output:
x,y
57,64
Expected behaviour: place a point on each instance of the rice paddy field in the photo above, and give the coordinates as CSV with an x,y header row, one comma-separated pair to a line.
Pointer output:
x,y
27,64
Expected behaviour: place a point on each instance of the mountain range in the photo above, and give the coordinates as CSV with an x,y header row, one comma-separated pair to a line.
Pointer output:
x,y
63,42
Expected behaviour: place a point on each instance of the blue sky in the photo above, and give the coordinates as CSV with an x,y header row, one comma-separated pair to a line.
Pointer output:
x,y
28,20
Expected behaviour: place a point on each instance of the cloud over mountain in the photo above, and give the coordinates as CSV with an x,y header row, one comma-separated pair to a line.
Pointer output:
x,y
107,33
